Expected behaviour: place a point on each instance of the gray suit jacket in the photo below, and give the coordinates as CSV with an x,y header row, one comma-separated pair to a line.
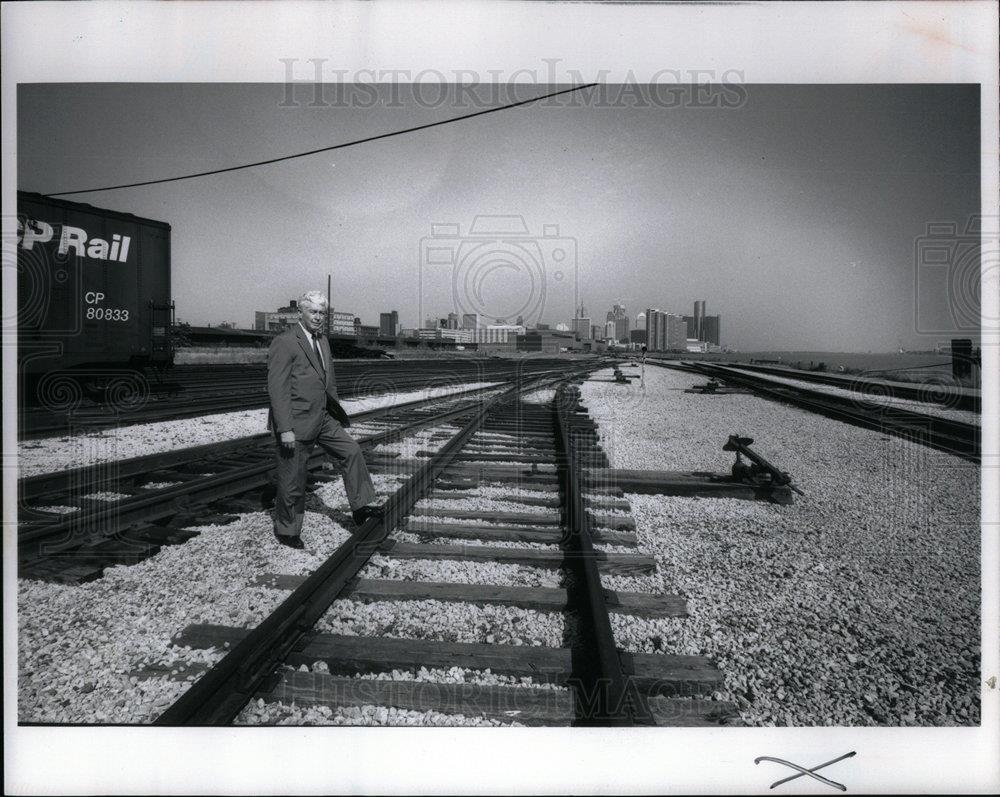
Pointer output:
x,y
300,393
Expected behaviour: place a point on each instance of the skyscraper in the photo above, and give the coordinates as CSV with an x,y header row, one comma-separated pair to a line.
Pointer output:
x,y
676,332
618,315
711,330
652,321
692,333
656,329
699,319
388,324
581,324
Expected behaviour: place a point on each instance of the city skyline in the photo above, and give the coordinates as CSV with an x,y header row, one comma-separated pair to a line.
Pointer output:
x,y
669,331
797,214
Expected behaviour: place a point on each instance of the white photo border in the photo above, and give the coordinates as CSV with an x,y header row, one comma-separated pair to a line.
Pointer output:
x,y
787,42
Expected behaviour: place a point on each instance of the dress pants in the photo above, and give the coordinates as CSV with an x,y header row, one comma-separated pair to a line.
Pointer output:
x,y
290,501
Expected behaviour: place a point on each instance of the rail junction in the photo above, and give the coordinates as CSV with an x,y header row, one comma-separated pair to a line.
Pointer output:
x,y
548,453
196,390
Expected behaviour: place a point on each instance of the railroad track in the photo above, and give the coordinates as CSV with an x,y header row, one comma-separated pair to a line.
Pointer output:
x,y
944,434
942,393
43,423
200,390
160,493
542,453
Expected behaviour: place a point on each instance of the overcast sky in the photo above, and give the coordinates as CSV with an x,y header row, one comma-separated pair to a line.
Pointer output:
x,y
795,215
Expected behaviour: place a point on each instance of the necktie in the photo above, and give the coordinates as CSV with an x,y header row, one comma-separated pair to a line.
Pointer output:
x,y
319,356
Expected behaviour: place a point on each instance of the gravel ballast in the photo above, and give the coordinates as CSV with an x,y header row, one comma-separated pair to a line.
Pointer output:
x,y
486,505
430,539
261,713
543,396
444,621
77,645
459,572
857,605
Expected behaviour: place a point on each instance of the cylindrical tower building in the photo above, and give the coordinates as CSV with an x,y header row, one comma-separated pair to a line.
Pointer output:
x,y
699,319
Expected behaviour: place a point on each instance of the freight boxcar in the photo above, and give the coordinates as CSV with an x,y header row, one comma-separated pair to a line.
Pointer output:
x,y
94,310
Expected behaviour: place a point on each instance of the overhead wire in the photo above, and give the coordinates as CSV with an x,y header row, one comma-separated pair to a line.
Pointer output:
x,y
330,148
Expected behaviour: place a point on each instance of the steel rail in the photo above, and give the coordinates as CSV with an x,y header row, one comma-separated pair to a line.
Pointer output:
x,y
168,501
205,380
953,437
186,406
95,476
602,693
34,422
220,694
957,398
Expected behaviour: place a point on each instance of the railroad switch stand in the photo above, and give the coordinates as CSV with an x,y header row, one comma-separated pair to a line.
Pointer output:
x,y
621,377
714,388
759,472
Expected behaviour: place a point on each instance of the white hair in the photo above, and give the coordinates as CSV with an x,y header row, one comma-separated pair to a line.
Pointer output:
x,y
315,298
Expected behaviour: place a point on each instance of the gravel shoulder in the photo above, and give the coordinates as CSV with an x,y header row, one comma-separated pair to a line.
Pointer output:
x,y
857,605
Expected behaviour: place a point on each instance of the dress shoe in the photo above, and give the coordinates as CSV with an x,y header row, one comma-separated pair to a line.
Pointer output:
x,y
365,513
290,542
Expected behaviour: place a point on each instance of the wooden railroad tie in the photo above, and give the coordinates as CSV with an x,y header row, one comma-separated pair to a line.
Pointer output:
x,y
554,599
701,484
533,518
661,676
620,522
551,502
613,563
87,562
486,471
460,482
528,706
551,535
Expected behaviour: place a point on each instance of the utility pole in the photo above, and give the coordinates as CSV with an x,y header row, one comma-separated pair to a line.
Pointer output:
x,y
329,309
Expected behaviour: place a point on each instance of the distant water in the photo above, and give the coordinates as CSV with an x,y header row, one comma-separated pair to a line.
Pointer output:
x,y
893,362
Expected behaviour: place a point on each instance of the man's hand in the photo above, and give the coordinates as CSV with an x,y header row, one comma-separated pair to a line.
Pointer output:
x,y
288,440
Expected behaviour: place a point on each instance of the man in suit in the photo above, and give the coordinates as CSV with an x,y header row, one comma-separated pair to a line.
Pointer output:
x,y
305,412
